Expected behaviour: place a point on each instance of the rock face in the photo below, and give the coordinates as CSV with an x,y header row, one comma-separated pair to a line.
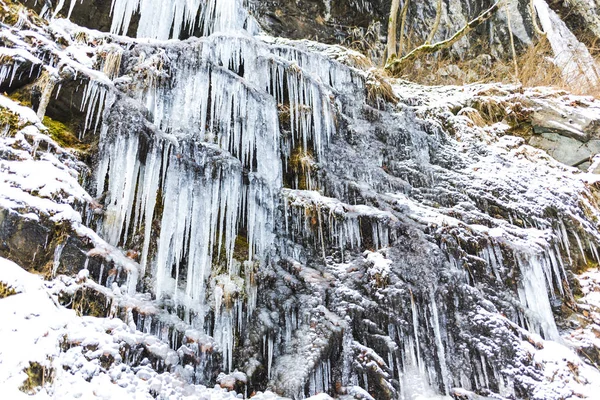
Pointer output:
x,y
348,21
256,212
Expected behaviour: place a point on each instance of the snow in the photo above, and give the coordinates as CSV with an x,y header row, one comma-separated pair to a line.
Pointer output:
x,y
26,114
34,178
558,363
39,329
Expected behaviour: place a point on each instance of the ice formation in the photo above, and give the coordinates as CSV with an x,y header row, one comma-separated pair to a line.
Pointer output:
x,y
571,56
160,22
274,221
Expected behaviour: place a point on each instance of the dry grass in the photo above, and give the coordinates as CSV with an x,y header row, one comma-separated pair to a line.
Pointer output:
x,y
365,41
6,290
112,62
534,65
378,88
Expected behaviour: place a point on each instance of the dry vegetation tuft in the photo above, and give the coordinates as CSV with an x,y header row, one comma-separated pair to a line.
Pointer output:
x,y
535,68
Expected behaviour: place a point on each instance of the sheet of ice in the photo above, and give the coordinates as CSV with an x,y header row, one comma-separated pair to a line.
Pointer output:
x,y
572,57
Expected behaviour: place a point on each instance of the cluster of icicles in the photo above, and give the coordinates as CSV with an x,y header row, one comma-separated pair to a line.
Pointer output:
x,y
160,19
213,171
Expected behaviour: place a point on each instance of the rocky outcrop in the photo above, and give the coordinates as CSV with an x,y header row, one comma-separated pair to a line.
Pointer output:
x,y
565,126
338,21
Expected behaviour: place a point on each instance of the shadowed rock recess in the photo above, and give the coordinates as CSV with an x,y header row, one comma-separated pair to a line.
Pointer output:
x,y
267,214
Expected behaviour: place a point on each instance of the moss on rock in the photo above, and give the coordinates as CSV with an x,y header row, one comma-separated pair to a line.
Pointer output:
x,y
10,122
37,376
64,136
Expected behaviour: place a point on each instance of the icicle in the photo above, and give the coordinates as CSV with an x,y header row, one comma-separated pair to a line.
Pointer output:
x,y
564,239
93,101
124,168
489,254
101,273
415,321
270,343
71,8
61,4
558,270
166,20
147,201
580,246
484,369
594,250
534,296
441,353
49,83
57,255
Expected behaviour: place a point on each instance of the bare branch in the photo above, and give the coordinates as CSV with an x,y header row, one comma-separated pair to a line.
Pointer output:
x,y
402,25
436,24
392,23
397,65
512,42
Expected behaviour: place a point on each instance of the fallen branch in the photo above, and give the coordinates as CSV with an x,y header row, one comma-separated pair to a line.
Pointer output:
x,y
395,66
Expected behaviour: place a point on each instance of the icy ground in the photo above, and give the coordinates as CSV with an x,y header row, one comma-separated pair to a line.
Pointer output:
x,y
81,356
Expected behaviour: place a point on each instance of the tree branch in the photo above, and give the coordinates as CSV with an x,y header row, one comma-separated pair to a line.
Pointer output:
x,y
392,23
436,24
402,24
395,66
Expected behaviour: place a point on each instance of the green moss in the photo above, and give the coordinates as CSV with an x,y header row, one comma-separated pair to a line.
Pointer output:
x,y
90,303
588,211
583,265
241,249
6,291
9,13
9,122
22,96
10,10
37,376
64,136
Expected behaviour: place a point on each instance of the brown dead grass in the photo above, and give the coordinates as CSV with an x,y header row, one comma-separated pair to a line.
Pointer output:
x,y
535,69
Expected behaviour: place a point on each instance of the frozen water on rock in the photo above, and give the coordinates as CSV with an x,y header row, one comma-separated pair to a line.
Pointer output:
x,y
215,115
571,56
160,22
422,258
40,327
